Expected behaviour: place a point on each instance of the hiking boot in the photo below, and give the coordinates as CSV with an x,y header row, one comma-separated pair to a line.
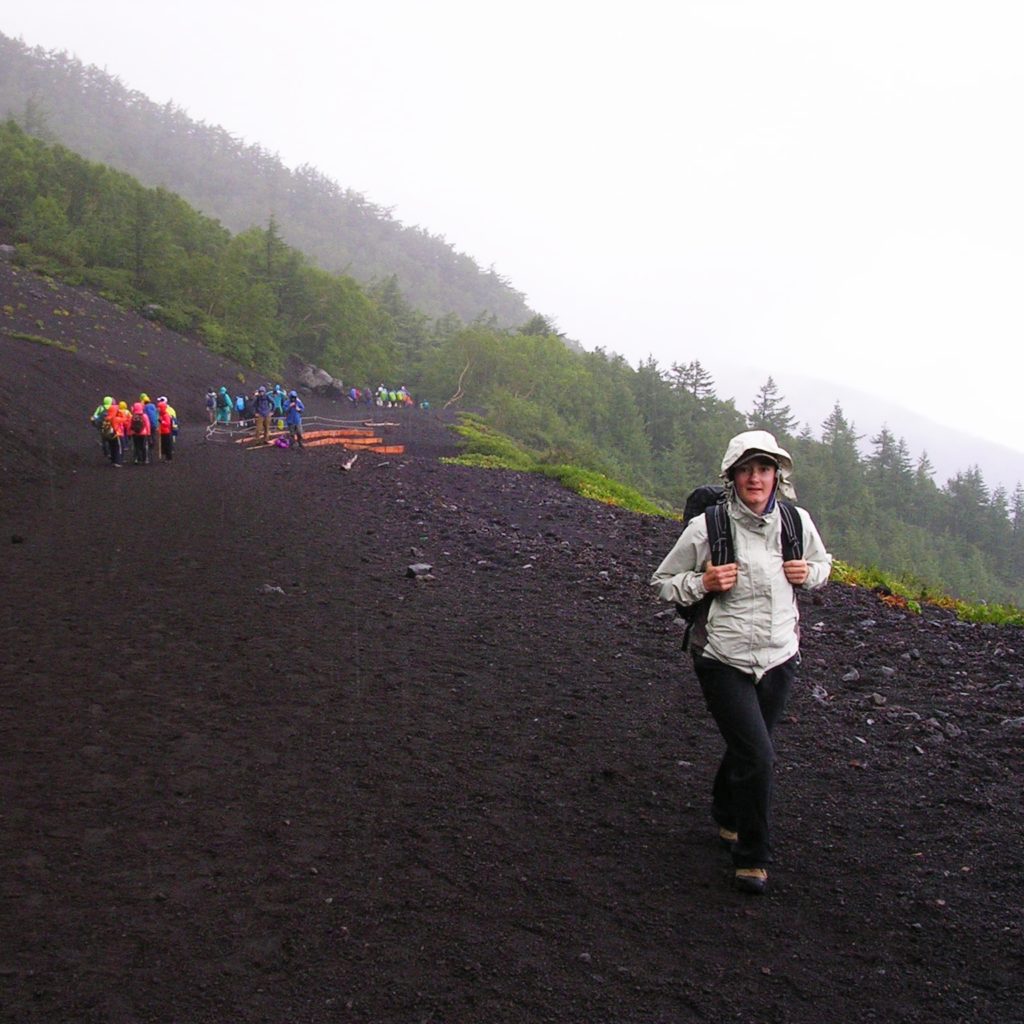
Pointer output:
x,y
727,838
752,880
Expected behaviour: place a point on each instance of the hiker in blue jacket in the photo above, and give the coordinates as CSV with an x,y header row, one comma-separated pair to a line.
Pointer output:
x,y
293,417
223,405
277,397
149,408
263,406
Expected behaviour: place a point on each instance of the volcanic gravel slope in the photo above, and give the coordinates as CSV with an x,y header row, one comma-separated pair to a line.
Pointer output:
x,y
253,771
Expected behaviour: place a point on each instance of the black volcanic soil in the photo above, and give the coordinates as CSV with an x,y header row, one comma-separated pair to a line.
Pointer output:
x,y
251,771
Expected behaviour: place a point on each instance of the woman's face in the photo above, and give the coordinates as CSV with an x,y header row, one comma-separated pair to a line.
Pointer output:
x,y
754,482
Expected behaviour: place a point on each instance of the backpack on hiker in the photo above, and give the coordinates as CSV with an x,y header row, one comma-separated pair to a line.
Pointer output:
x,y
107,429
138,423
222,401
709,501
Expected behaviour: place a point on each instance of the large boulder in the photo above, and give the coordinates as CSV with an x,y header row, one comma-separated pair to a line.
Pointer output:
x,y
320,381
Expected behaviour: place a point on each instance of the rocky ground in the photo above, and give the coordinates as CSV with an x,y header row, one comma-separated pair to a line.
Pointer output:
x,y
252,771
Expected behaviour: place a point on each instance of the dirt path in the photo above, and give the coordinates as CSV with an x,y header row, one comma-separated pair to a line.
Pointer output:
x,y
252,771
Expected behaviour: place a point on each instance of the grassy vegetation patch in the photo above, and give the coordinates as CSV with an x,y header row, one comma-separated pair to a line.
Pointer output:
x,y
38,339
599,487
907,592
485,448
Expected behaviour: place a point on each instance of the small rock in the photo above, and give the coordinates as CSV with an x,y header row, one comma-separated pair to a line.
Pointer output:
x,y
269,588
888,671
418,569
879,700
852,676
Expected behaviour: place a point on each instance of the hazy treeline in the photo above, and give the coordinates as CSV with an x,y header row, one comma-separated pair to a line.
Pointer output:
x,y
57,98
249,296
661,429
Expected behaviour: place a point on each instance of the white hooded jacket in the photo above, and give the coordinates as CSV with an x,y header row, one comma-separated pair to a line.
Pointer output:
x,y
754,626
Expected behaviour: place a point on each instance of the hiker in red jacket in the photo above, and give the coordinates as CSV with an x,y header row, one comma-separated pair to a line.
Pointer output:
x,y
138,431
166,426
110,433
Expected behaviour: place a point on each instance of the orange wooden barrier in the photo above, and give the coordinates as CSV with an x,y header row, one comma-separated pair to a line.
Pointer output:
x,y
353,438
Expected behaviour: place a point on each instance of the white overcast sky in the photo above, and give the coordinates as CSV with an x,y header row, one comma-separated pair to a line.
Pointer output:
x,y
794,187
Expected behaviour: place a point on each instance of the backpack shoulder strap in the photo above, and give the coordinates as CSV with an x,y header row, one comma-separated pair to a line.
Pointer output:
x,y
792,532
719,534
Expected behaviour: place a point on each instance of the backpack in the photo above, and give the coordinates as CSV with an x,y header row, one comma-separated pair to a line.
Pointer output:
x,y
107,429
222,400
138,424
709,500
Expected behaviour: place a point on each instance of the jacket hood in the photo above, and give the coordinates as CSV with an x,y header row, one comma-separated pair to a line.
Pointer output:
x,y
760,441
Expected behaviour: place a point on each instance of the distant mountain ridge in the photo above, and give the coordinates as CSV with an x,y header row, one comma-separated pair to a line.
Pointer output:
x,y
57,97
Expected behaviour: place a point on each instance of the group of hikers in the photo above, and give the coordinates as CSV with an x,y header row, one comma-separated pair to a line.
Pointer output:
x,y
267,403
146,430
383,397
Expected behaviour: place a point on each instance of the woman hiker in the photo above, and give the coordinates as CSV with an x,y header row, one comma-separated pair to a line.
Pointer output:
x,y
746,645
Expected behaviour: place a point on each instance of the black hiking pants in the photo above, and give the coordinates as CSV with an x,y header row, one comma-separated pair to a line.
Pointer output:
x,y
745,712
140,449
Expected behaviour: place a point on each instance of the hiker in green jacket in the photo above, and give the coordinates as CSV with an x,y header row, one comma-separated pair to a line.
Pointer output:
x,y
747,652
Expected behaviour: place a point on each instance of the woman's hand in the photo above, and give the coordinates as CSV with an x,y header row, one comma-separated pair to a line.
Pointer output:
x,y
719,578
796,571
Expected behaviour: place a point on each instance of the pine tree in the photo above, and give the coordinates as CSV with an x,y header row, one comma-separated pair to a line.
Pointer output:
x,y
770,412
692,378
889,473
